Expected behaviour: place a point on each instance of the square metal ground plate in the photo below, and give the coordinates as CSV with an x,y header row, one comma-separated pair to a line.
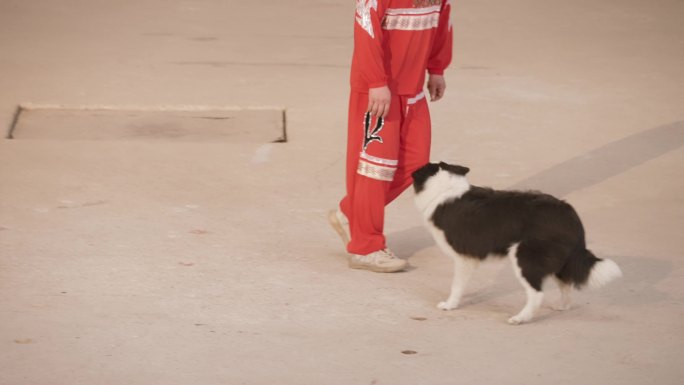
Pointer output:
x,y
253,125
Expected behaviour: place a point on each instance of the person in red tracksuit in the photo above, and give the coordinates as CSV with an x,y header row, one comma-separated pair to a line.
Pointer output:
x,y
395,43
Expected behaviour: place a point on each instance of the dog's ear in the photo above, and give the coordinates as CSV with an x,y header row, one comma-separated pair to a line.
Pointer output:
x,y
454,169
421,175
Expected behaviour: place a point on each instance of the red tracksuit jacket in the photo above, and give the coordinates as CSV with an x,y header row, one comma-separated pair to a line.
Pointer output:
x,y
395,41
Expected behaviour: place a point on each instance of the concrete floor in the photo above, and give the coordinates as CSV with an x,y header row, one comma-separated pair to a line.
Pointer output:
x,y
183,262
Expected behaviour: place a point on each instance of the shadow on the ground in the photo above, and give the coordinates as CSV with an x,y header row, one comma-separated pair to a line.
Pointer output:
x,y
574,174
638,286
607,161
410,241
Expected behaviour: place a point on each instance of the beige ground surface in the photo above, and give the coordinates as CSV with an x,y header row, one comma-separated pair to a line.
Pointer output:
x,y
184,262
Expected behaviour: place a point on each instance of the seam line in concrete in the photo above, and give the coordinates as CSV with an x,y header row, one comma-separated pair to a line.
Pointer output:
x,y
169,108
162,108
15,120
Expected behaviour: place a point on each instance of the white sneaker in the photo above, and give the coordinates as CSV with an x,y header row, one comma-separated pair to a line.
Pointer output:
x,y
340,224
381,261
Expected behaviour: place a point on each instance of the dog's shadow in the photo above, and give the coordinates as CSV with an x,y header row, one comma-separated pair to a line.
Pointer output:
x,y
638,286
409,242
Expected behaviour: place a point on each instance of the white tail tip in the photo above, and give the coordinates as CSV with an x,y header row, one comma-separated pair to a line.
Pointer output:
x,y
602,273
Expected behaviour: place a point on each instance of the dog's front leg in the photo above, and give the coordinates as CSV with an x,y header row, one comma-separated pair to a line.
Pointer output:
x,y
463,269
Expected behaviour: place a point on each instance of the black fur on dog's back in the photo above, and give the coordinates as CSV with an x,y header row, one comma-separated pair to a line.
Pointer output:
x,y
548,231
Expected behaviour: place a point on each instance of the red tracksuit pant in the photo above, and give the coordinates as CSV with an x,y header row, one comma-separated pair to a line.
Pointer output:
x,y
381,156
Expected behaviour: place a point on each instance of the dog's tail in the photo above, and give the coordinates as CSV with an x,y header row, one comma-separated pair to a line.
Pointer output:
x,y
603,271
587,270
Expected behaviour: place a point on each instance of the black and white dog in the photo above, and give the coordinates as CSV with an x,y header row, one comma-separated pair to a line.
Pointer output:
x,y
541,235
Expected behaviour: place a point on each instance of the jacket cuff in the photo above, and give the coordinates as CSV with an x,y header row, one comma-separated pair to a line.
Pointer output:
x,y
377,84
436,71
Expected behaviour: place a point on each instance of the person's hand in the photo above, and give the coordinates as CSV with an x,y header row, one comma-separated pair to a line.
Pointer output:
x,y
436,86
379,101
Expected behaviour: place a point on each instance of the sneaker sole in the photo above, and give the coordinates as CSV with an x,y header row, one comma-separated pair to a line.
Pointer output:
x,y
377,269
337,226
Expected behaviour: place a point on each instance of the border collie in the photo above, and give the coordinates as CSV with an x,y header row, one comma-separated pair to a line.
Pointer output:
x,y
541,235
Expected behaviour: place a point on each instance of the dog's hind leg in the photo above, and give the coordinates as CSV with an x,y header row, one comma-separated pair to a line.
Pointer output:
x,y
564,302
530,281
463,270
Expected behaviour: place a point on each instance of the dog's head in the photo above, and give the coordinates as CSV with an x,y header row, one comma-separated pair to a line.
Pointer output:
x,y
423,174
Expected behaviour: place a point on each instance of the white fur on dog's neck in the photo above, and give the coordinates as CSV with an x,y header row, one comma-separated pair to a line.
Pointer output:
x,y
439,188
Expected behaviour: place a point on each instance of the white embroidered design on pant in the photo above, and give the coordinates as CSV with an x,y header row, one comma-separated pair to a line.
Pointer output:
x,y
382,161
375,171
369,135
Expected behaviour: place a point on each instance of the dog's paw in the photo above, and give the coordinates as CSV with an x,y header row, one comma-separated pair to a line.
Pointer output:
x,y
517,320
560,306
446,306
